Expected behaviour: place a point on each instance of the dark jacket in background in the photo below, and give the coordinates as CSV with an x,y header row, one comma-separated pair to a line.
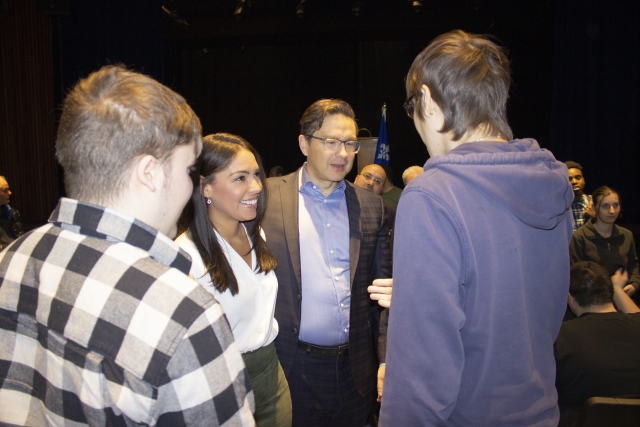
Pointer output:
x,y
613,253
10,225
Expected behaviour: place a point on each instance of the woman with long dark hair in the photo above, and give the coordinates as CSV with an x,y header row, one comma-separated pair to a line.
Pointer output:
x,y
602,241
233,262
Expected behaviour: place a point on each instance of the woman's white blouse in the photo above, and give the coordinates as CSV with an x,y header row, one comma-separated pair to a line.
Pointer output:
x,y
250,312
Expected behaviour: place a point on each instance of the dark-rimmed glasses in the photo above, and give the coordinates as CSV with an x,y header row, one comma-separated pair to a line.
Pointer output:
x,y
332,144
409,106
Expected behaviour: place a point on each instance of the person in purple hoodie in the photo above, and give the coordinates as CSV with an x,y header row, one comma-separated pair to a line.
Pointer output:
x,y
481,260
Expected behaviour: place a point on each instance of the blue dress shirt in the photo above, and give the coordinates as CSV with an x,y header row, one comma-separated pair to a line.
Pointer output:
x,y
324,261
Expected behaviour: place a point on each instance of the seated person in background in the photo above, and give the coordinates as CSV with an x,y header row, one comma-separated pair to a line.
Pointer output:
x,y
390,193
411,173
597,354
10,224
602,241
582,206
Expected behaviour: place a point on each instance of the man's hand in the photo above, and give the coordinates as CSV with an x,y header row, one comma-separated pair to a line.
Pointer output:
x,y
590,211
619,280
380,291
381,370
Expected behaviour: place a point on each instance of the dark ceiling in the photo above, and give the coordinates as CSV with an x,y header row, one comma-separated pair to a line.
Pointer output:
x,y
278,19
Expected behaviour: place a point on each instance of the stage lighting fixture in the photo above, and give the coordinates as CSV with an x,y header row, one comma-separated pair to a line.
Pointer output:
x,y
300,9
239,8
175,18
356,8
416,5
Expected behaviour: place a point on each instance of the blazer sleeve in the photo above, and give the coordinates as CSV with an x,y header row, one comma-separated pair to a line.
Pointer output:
x,y
382,270
632,268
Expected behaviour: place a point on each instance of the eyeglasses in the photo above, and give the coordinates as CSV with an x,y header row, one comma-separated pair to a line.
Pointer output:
x,y
409,106
368,177
332,144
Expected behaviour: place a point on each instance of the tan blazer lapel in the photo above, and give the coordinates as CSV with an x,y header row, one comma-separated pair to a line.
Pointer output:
x,y
289,197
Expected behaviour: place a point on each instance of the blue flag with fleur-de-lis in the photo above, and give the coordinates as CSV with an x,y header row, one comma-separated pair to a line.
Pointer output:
x,y
382,150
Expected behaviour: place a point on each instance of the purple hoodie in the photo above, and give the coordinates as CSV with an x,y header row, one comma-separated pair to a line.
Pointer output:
x,y
481,275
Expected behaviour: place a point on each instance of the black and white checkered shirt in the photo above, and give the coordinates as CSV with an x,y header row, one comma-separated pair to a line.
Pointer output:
x,y
100,325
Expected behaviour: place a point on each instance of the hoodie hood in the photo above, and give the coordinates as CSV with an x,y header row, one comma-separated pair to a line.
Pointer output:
x,y
522,181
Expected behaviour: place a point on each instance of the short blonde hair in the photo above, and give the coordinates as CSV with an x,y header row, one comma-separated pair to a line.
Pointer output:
x,y
411,170
113,117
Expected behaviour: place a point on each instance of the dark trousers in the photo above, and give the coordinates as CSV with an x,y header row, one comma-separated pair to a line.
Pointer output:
x,y
323,393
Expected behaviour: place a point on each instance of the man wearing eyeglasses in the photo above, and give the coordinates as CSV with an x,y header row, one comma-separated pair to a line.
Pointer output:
x,y
330,240
372,177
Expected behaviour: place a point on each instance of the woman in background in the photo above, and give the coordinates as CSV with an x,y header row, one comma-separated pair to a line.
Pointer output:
x,y
232,261
602,241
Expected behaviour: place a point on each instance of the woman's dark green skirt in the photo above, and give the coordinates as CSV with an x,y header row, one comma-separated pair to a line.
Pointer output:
x,y
270,387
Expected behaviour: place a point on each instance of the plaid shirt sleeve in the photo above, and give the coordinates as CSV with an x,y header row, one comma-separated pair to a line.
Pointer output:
x,y
207,383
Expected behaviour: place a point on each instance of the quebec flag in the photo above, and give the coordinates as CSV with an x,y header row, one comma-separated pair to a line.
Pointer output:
x,y
382,150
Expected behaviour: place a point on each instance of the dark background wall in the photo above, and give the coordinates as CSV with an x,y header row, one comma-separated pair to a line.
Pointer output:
x,y
576,69
255,76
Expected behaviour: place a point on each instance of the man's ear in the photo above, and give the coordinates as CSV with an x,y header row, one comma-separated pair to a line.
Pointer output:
x,y
573,305
149,173
430,107
304,144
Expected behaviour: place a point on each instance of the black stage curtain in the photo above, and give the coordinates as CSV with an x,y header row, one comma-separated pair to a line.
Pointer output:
x,y
595,111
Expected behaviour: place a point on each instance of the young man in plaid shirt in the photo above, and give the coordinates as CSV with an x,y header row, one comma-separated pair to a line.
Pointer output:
x,y
99,322
582,206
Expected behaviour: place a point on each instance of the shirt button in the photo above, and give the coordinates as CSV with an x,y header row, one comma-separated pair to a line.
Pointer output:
x,y
331,251
299,297
345,329
295,331
328,225
324,201
337,278
341,305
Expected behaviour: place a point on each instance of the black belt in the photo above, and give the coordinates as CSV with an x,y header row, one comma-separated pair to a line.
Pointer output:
x,y
335,352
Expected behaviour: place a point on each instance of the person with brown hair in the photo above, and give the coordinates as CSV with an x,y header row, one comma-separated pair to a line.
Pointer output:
x,y
481,265
601,240
100,323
